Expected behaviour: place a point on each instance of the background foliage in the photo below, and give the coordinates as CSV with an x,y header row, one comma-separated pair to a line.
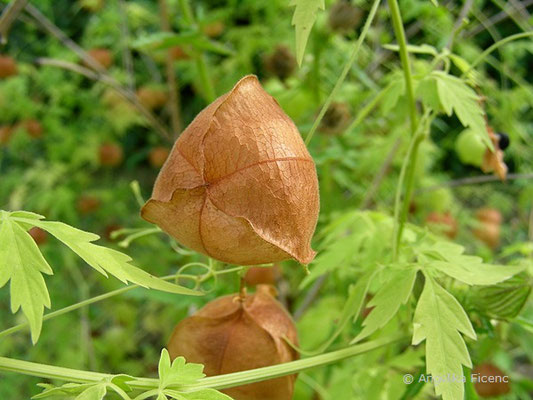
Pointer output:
x,y
359,149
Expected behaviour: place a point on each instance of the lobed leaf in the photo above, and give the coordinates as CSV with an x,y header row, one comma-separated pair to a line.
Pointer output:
x,y
439,319
303,20
387,301
457,97
22,263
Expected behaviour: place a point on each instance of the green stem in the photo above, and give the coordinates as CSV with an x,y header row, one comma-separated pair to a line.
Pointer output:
x,y
404,57
214,382
410,161
345,71
407,174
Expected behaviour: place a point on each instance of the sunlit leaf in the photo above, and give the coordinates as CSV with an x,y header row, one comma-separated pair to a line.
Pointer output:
x,y
303,20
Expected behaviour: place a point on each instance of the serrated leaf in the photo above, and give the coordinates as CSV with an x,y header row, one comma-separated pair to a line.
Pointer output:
x,y
22,263
457,97
303,20
467,269
103,259
178,372
387,301
439,319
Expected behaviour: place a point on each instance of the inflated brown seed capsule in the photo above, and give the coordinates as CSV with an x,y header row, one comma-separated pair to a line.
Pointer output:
x,y
8,66
158,155
152,98
104,57
489,226
490,381
335,119
281,63
110,154
5,133
344,16
232,334
443,223
33,127
239,184
40,236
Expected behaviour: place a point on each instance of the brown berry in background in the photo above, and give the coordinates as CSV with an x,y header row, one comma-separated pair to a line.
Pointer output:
x,y
281,63
335,119
104,57
33,127
39,235
444,223
344,17
109,229
110,154
239,184
8,66
151,98
177,53
490,381
232,334
490,215
262,275
489,226
88,204
214,29
5,133
158,156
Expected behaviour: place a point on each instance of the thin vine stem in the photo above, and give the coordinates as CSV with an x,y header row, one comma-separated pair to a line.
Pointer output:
x,y
345,70
404,58
200,278
413,148
495,46
214,382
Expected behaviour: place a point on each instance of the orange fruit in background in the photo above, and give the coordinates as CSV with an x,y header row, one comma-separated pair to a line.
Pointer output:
x,y
489,380
40,236
444,223
87,204
151,98
110,155
158,156
8,66
104,57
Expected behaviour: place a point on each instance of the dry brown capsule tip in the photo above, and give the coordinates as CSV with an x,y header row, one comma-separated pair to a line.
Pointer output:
x,y
230,336
239,184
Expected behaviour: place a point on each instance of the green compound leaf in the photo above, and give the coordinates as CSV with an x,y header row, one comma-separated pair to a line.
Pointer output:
x,y
448,258
22,263
459,98
103,259
178,372
439,319
303,20
387,301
